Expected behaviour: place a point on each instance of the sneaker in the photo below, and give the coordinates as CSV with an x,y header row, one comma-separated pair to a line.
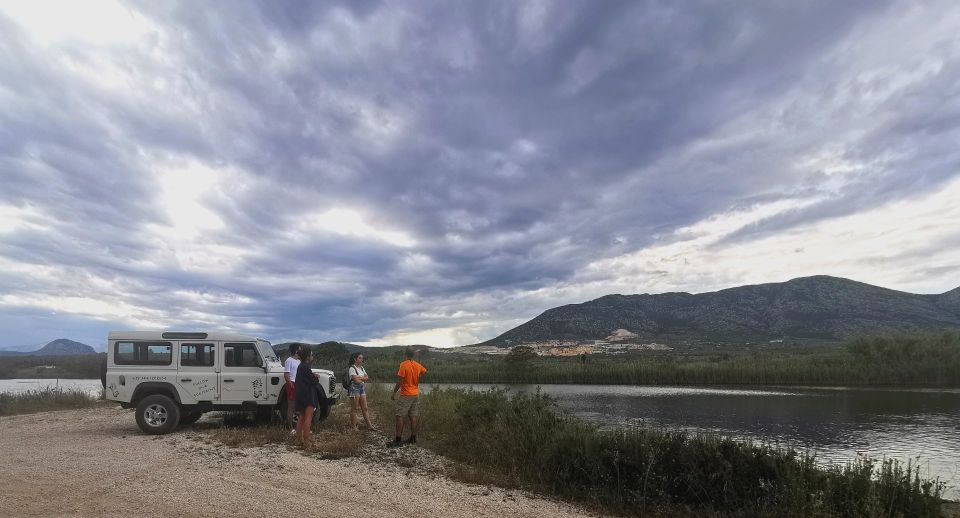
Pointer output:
x,y
293,431
394,443
411,440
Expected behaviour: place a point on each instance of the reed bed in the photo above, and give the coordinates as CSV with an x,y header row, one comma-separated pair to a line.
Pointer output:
x,y
525,441
928,360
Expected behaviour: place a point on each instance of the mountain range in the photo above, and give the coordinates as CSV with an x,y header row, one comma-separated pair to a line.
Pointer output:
x,y
59,347
819,308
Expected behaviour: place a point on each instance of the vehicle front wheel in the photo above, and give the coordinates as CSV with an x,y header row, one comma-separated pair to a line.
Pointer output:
x,y
264,414
157,414
190,417
321,413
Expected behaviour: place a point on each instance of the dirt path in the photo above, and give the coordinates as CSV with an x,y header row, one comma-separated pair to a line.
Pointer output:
x,y
95,462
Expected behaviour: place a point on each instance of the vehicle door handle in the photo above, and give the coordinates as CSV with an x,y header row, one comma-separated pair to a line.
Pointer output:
x,y
228,381
184,380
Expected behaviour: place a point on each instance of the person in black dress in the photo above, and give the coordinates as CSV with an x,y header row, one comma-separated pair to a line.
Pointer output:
x,y
306,395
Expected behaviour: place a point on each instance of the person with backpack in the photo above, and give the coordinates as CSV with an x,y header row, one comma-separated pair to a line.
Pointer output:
x,y
307,400
357,375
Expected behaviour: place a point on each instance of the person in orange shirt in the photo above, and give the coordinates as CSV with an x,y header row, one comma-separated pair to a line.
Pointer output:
x,y
408,383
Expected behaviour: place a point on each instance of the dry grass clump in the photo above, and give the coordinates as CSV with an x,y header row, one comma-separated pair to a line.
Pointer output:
x,y
333,438
44,400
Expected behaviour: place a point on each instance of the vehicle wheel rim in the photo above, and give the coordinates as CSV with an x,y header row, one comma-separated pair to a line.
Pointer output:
x,y
155,415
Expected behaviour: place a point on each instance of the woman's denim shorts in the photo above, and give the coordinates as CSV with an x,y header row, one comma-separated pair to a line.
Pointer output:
x,y
357,390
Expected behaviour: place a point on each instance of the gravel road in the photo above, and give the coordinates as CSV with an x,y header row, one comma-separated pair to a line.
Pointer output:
x,y
95,462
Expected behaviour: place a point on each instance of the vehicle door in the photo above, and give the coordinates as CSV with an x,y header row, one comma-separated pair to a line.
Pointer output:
x,y
242,377
197,371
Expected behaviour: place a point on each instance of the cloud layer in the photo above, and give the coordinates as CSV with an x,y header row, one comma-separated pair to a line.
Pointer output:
x,y
438,173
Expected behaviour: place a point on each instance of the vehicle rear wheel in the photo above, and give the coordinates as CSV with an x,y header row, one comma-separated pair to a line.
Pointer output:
x,y
157,414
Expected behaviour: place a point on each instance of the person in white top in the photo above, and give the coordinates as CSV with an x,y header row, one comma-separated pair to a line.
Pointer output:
x,y
290,376
358,396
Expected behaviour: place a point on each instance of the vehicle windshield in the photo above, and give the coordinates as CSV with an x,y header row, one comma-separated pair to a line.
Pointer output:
x,y
266,351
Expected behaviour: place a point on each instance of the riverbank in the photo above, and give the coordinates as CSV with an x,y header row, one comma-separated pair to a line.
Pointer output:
x,y
227,461
95,462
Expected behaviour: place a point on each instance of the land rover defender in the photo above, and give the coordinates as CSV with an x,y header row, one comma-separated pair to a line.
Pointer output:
x,y
172,378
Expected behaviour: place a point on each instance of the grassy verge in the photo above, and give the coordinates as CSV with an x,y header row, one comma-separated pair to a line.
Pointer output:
x,y
526,442
43,400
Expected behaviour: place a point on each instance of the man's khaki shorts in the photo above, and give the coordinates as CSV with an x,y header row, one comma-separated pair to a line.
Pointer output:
x,y
408,406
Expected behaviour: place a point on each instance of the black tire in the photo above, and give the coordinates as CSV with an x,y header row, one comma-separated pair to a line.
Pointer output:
x,y
157,414
190,417
282,407
264,414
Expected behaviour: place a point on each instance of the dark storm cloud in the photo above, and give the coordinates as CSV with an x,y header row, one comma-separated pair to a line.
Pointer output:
x,y
511,143
653,85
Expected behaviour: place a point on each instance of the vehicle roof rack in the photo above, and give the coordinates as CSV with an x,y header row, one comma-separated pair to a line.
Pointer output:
x,y
185,336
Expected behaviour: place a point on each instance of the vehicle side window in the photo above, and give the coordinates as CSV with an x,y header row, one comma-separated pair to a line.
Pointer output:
x,y
143,353
241,355
197,355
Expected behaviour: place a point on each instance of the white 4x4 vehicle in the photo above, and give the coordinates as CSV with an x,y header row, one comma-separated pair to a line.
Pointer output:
x,y
173,378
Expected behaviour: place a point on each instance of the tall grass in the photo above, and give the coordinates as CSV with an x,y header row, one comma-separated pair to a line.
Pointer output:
x,y
928,360
49,398
525,441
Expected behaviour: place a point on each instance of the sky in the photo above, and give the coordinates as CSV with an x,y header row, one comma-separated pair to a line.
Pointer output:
x,y
439,172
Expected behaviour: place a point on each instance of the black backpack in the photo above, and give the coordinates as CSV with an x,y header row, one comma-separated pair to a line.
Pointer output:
x,y
347,380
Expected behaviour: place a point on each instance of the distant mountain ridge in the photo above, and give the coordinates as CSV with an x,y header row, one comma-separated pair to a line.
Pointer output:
x,y
819,307
58,347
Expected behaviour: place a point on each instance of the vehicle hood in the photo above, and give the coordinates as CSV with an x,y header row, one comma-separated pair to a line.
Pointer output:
x,y
322,371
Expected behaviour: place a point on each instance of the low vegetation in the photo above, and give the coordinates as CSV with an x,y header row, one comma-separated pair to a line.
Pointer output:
x,y
927,360
33,401
526,442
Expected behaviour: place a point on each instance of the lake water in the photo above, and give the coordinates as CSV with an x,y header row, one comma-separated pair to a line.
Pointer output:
x,y
836,424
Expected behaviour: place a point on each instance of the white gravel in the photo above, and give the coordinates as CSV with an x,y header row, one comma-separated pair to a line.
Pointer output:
x,y
95,462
